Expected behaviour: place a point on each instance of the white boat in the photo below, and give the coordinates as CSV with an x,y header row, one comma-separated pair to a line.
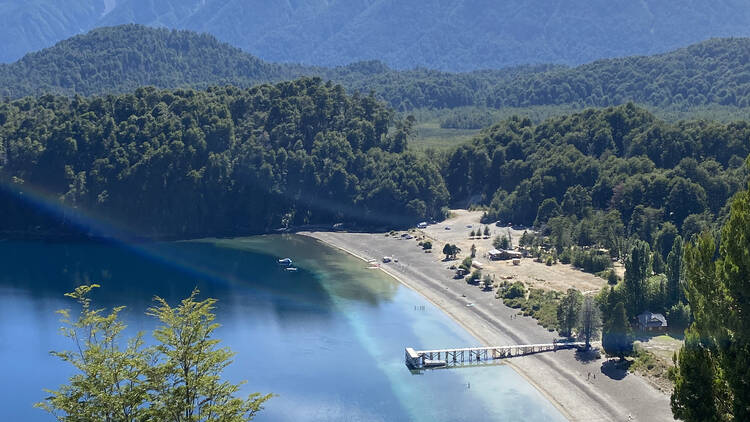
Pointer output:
x,y
291,269
434,363
285,262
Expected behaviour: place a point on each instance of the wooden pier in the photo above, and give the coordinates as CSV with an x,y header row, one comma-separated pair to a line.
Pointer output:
x,y
419,359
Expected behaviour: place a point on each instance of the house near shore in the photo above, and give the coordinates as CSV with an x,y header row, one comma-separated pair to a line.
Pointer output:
x,y
498,254
649,321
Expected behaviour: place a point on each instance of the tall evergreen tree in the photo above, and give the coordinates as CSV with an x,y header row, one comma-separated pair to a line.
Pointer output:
x,y
617,336
636,270
713,377
674,273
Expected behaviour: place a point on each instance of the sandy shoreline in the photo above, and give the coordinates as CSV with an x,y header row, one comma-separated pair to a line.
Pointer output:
x,y
563,377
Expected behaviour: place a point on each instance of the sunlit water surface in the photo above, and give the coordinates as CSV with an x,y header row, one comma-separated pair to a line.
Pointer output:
x,y
328,340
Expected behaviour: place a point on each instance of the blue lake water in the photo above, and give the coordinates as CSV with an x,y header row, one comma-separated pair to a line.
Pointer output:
x,y
328,340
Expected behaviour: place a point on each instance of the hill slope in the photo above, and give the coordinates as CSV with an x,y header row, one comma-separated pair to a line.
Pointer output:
x,y
120,59
454,35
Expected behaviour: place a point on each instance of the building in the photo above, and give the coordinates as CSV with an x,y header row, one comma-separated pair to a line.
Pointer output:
x,y
649,321
496,254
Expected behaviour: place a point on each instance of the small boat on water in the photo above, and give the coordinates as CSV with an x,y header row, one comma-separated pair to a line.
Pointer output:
x,y
290,269
285,262
434,363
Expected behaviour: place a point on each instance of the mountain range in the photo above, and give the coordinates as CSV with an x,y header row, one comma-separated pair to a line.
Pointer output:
x,y
122,58
455,35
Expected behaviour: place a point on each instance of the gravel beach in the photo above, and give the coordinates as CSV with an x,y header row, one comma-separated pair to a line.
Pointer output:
x,y
584,388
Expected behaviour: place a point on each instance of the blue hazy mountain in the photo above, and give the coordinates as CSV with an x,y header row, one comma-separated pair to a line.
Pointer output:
x,y
439,34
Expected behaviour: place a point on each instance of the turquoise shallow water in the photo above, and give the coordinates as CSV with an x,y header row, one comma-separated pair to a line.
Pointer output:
x,y
329,339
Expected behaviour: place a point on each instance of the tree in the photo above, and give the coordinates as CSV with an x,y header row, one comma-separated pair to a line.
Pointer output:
x,y
674,272
466,263
486,231
568,311
427,245
178,379
617,337
612,278
187,380
636,270
589,321
473,250
501,242
695,387
711,382
548,209
448,251
110,381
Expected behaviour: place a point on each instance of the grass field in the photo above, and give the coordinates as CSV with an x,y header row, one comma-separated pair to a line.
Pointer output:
x,y
431,135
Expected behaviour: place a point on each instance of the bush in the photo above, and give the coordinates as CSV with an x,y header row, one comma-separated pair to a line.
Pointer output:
x,y
515,290
427,245
612,278
566,256
549,261
591,261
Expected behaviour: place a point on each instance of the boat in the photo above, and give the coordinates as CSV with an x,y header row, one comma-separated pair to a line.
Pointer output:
x,y
290,269
434,363
285,262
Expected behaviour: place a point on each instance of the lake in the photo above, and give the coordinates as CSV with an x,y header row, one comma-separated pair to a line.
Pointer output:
x,y
328,339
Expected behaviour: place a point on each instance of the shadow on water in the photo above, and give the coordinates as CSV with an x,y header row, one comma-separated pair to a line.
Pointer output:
x,y
169,270
616,369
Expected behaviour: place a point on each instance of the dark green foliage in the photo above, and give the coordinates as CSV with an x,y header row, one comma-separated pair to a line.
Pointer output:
x,y
637,266
450,252
567,312
187,163
591,261
617,336
616,157
612,278
674,273
122,58
711,382
427,245
515,290
549,208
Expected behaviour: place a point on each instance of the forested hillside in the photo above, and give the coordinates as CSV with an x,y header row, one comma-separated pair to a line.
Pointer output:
x,y
594,174
221,161
457,35
120,59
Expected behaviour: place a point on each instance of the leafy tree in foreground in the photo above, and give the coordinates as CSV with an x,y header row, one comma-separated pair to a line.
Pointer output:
x,y
178,379
712,381
111,382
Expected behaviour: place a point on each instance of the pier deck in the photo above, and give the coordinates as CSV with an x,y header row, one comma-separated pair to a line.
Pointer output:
x,y
415,359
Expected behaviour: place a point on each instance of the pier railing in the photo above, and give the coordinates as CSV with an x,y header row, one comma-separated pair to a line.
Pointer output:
x,y
417,359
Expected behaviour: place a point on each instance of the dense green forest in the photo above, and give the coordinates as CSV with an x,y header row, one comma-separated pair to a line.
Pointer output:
x,y
618,170
458,35
223,160
712,75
